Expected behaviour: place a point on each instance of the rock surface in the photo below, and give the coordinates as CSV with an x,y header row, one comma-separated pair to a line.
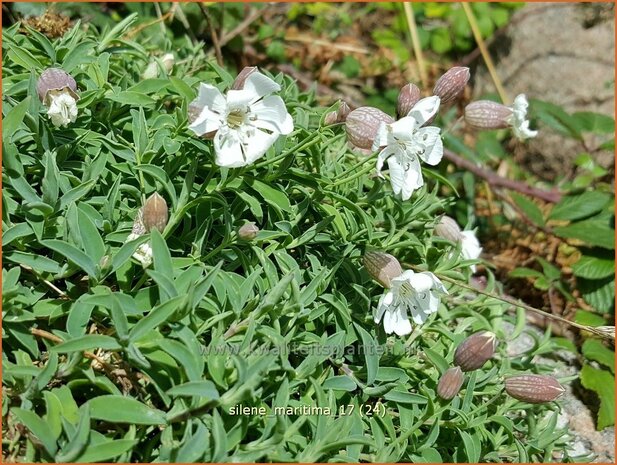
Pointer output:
x,y
564,54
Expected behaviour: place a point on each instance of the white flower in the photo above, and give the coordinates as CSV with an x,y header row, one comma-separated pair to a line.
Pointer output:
x,y
518,119
152,70
470,247
247,121
62,109
143,253
414,293
405,142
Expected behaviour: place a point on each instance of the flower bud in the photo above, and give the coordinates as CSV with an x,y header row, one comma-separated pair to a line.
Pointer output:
x,y
248,232
54,81
338,116
449,229
485,114
383,267
155,213
407,98
238,84
450,383
534,389
452,84
474,351
362,125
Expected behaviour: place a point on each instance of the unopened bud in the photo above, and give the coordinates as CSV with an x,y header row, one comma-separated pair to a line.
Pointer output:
x,y
451,85
238,84
450,383
407,98
362,125
449,229
534,389
486,114
338,116
54,81
248,232
155,213
383,267
475,351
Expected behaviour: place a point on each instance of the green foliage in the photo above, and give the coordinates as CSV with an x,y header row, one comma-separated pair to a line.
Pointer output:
x,y
134,365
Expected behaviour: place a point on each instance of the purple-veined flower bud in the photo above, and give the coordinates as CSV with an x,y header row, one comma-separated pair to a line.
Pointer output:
x,y
362,125
382,267
248,231
55,79
407,98
451,85
238,83
486,114
534,389
155,213
449,229
450,383
475,351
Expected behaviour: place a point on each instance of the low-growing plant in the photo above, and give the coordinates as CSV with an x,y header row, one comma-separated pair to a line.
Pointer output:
x,y
159,306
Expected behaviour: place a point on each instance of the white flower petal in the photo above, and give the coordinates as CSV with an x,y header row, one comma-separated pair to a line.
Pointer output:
x,y
383,156
433,146
206,122
210,97
381,138
518,119
425,109
272,110
403,325
382,306
470,246
229,150
239,99
258,144
405,176
389,321
62,110
260,85
403,129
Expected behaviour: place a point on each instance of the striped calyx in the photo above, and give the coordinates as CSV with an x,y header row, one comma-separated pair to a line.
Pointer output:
x,y
534,389
475,351
382,267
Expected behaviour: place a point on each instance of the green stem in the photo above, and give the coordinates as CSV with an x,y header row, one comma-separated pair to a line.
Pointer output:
x,y
356,175
306,143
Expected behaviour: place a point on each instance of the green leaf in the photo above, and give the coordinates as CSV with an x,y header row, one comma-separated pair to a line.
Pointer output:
x,y
14,118
105,451
73,254
574,207
603,383
530,209
593,349
90,237
201,389
594,267
597,123
591,232
87,342
272,196
588,318
156,317
121,409
79,440
37,427
340,383
371,356
599,293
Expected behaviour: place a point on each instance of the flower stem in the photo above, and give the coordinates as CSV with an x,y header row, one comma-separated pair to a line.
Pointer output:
x,y
356,175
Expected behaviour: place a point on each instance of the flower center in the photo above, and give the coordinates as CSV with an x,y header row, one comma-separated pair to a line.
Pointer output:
x,y
406,290
235,118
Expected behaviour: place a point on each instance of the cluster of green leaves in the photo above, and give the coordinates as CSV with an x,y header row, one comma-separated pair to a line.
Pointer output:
x,y
106,361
